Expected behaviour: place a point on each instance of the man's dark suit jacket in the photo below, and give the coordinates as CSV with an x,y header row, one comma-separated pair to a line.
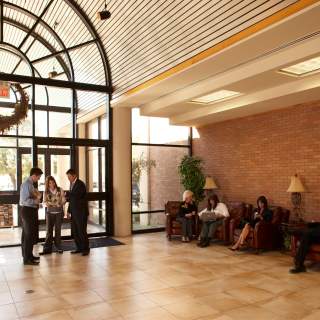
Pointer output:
x,y
78,203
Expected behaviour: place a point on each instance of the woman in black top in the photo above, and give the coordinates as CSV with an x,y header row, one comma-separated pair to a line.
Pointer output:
x,y
187,211
261,213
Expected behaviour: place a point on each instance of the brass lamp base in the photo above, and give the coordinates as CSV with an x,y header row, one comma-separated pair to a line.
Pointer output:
x,y
296,203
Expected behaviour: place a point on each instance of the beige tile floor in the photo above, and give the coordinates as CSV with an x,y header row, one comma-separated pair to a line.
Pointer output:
x,y
12,236
151,278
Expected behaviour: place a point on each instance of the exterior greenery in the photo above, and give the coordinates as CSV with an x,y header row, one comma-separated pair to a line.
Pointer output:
x,y
192,176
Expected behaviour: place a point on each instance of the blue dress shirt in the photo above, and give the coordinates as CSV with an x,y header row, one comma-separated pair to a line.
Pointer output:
x,y
26,194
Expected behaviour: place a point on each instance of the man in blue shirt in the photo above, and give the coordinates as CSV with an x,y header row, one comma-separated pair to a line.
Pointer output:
x,y
29,201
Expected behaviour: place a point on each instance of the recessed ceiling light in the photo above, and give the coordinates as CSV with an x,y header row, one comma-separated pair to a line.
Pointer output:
x,y
303,68
216,96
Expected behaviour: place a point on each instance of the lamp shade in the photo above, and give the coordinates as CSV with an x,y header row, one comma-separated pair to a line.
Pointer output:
x,y
296,185
210,184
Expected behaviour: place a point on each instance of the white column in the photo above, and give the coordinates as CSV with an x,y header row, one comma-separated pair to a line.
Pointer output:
x,y
122,171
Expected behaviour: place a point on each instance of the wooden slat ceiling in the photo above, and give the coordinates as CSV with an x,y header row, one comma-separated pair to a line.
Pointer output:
x,y
142,38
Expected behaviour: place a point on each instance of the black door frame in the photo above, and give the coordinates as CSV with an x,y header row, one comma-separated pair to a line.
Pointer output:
x,y
91,196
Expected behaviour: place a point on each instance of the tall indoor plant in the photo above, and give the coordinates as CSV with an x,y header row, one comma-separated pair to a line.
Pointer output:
x,y
192,176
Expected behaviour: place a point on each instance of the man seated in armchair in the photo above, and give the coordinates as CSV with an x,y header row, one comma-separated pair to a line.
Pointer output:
x,y
307,237
212,217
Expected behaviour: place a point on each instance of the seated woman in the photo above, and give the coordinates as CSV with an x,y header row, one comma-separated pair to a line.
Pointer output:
x,y
212,218
261,213
186,212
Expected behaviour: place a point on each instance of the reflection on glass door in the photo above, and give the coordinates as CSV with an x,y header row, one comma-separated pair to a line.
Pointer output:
x,y
59,164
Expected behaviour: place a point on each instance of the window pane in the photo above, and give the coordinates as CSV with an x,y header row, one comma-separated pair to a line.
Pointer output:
x,y
93,185
148,221
155,178
27,143
26,164
8,165
104,128
41,165
25,128
60,125
93,129
157,130
41,123
60,163
103,171
97,216
8,142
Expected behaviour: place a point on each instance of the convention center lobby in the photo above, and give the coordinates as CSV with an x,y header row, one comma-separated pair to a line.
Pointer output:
x,y
159,160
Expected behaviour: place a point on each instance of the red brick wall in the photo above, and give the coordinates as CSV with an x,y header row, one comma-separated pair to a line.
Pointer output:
x,y
164,179
256,155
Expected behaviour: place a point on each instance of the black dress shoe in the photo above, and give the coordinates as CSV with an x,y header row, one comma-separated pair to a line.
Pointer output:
x,y
298,269
35,258
85,253
44,252
202,240
75,251
205,243
31,263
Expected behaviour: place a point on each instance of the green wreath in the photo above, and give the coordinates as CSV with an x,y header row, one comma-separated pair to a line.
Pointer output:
x,y
20,111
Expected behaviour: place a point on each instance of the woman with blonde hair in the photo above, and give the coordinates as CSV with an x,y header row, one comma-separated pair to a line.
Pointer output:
x,y
54,200
187,211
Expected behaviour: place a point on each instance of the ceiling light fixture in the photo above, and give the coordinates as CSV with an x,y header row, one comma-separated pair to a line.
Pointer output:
x,y
216,96
303,68
53,73
104,14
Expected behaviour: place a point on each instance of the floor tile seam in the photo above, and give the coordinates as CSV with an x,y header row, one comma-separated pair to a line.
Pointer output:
x,y
12,299
118,298
280,314
117,314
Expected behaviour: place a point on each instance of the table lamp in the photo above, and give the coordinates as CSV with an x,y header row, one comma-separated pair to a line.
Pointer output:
x,y
209,185
296,188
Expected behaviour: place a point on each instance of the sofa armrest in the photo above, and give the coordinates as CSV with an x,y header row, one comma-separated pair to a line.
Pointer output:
x,y
263,235
225,229
233,224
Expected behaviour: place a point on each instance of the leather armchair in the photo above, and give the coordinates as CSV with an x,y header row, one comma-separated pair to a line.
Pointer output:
x,y
222,232
238,211
173,227
265,235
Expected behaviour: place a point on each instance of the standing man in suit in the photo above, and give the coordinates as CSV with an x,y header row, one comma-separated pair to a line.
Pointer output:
x,y
29,201
78,208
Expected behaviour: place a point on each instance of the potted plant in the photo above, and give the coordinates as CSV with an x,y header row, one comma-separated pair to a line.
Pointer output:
x,y
192,177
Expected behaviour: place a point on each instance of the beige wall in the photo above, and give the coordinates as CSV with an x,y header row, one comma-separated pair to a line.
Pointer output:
x,y
122,171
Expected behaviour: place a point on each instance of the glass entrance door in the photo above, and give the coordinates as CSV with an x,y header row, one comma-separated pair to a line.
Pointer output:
x,y
89,160
52,161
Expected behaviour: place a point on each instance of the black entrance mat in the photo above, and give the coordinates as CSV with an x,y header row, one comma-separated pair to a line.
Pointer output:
x,y
68,245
